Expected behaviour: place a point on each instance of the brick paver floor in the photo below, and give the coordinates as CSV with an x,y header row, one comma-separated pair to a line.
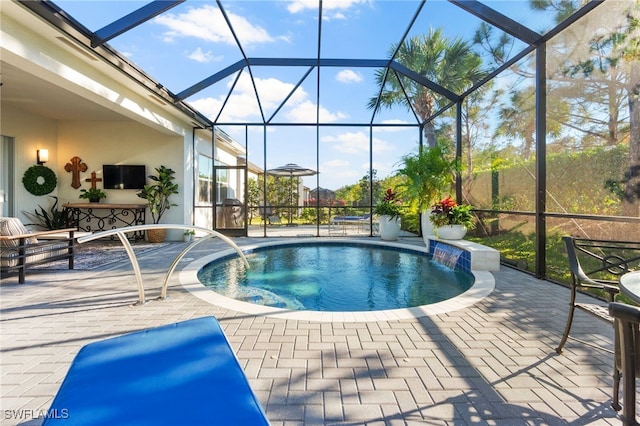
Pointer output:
x,y
493,363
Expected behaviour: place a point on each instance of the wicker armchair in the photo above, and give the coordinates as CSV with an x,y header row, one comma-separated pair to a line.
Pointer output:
x,y
21,249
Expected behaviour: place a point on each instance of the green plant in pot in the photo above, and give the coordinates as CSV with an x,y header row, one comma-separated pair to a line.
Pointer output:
x,y
452,220
389,206
94,195
157,195
52,219
427,174
389,210
188,234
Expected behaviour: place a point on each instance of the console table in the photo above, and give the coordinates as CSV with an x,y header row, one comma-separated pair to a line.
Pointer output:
x,y
92,217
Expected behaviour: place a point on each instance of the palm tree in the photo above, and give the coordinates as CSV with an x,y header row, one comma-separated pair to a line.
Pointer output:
x,y
452,64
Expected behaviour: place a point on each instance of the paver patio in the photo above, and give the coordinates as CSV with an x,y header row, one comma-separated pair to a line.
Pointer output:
x,y
492,363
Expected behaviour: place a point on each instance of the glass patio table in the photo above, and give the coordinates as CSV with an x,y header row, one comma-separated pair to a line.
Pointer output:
x,y
627,345
630,285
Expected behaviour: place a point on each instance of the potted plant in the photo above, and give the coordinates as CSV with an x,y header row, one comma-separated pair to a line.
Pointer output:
x,y
52,220
452,220
389,210
428,173
188,234
94,195
157,195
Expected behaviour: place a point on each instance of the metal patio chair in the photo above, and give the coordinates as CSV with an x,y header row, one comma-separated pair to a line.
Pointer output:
x,y
596,265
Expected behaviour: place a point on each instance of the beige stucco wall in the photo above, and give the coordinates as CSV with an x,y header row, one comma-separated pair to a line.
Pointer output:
x,y
126,142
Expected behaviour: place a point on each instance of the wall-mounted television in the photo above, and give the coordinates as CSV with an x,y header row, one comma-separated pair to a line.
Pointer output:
x,y
124,176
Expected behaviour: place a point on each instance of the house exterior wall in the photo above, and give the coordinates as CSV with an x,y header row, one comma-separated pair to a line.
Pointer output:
x,y
126,142
29,133
138,127
148,133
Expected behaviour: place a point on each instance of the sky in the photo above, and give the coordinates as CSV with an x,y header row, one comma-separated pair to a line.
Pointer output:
x,y
191,42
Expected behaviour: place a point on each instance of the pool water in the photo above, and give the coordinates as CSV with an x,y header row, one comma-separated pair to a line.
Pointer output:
x,y
335,277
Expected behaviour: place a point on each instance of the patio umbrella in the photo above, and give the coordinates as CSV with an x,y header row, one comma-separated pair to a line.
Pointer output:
x,y
290,170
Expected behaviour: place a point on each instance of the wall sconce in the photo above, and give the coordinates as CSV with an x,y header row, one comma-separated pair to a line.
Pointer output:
x,y
42,155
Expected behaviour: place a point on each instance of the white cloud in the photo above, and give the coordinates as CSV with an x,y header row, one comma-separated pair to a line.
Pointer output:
x,y
334,164
199,55
207,23
305,112
296,6
207,106
337,15
356,143
242,104
390,129
273,91
336,172
348,76
394,121
383,168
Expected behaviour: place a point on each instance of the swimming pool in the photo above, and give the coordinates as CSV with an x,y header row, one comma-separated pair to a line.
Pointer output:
x,y
393,281
335,277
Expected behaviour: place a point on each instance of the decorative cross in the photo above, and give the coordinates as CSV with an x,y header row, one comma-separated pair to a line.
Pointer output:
x,y
75,166
93,180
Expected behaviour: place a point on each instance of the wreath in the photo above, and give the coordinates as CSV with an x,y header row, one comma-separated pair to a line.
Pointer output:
x,y
39,180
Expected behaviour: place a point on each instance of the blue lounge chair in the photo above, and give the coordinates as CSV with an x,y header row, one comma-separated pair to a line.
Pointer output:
x,y
340,223
180,374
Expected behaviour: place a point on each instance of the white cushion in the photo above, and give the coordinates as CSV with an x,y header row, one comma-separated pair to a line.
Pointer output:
x,y
11,226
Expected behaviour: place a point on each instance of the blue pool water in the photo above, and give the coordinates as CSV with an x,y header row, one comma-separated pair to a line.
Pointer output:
x,y
335,277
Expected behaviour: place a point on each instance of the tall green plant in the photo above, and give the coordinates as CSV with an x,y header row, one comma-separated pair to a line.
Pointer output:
x,y
428,174
157,195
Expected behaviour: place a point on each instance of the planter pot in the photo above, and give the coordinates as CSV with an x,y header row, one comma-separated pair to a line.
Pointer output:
x,y
389,228
451,232
156,235
426,227
187,237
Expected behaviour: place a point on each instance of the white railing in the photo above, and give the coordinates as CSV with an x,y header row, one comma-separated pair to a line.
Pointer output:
x,y
120,232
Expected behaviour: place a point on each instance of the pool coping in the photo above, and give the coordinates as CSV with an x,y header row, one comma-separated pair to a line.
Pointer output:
x,y
483,286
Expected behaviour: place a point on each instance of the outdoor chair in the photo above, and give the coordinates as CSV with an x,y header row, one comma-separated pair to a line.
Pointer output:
x,y
22,249
274,220
232,213
596,265
627,364
340,223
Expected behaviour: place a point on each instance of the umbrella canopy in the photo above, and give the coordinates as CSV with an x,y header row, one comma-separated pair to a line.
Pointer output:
x,y
291,170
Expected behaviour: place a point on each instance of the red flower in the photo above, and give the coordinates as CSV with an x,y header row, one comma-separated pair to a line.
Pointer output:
x,y
448,212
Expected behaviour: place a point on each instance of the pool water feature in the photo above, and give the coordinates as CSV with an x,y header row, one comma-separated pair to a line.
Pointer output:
x,y
336,277
446,254
188,277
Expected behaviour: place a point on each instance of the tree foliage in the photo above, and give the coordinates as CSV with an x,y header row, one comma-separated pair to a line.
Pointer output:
x,y
449,63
